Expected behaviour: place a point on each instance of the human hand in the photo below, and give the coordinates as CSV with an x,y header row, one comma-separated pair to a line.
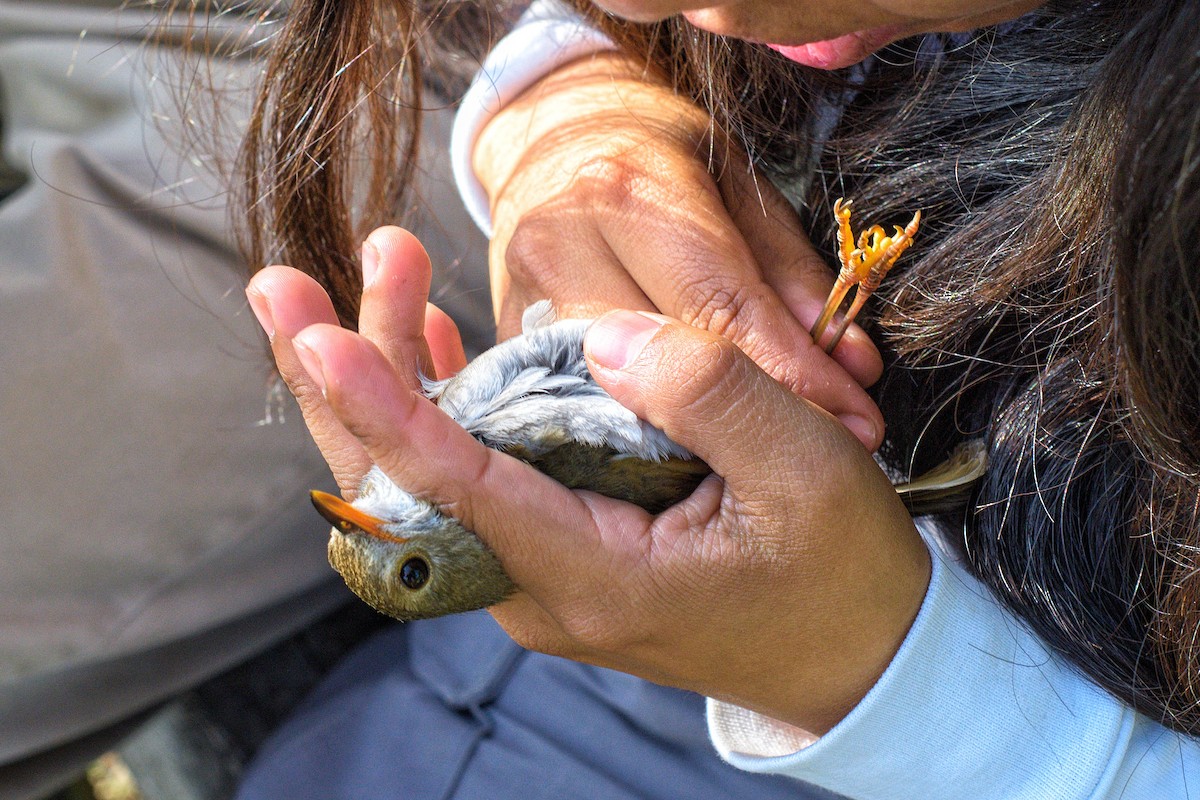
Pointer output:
x,y
602,198
423,338
785,586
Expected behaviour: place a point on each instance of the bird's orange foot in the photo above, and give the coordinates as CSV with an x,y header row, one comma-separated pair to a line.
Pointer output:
x,y
863,264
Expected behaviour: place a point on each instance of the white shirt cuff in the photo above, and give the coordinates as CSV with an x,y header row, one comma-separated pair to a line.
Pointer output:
x,y
548,35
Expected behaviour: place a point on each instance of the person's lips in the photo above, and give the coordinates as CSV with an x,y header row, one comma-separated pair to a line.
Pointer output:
x,y
841,51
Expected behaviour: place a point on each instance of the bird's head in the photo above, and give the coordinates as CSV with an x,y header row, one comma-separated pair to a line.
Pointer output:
x,y
405,558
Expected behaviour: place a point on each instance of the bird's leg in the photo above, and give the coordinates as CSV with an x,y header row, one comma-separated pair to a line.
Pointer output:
x,y
864,266
841,287
847,277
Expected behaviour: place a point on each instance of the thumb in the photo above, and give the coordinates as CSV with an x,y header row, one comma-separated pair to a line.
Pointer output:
x,y
710,397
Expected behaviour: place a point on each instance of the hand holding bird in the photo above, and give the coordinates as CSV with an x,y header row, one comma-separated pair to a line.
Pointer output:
x,y
534,398
799,554
531,397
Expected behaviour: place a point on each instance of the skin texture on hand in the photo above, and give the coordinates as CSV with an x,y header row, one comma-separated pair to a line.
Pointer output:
x,y
785,585
609,191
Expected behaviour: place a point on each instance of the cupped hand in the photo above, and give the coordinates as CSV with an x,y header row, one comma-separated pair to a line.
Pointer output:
x,y
784,585
603,196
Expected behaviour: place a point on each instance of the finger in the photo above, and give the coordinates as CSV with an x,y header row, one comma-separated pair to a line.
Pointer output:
x,y
445,342
708,396
776,453
286,301
695,265
790,265
396,278
558,254
429,455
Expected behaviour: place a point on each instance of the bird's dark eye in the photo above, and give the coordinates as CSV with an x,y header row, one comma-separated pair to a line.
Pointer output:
x,y
414,573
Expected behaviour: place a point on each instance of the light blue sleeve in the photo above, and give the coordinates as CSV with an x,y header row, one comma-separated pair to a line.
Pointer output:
x,y
974,705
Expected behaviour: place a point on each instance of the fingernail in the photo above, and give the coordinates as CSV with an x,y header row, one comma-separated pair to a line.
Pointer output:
x,y
262,311
862,428
370,263
615,340
311,363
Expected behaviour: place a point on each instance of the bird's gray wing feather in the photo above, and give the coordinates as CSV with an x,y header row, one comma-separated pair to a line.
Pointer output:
x,y
535,392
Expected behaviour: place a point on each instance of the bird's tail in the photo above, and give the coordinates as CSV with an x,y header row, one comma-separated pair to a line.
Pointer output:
x,y
947,486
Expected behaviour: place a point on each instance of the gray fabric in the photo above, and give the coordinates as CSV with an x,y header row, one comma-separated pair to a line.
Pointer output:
x,y
452,709
156,524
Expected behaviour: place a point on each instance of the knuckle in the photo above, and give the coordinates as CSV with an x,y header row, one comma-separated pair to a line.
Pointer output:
x,y
712,303
611,183
308,395
527,255
708,376
789,369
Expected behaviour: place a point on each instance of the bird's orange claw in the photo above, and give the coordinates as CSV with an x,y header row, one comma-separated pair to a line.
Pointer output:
x,y
864,264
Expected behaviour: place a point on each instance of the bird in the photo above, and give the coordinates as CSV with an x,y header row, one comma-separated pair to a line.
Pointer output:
x,y
533,398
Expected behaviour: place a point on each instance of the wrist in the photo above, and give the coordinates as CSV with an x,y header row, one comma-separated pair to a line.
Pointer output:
x,y
548,35
593,99
875,600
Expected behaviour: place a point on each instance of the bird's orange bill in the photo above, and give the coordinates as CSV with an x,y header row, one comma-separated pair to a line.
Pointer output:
x,y
348,519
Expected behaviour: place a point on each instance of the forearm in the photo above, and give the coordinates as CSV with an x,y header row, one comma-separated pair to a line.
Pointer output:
x,y
548,35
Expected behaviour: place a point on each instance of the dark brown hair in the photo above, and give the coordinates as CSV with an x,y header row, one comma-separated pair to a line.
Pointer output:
x,y
329,148
1051,304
